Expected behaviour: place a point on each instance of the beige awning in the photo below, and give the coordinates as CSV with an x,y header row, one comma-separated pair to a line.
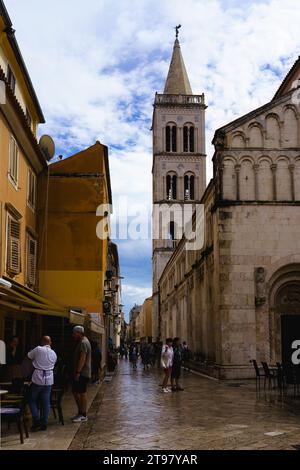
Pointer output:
x,y
22,299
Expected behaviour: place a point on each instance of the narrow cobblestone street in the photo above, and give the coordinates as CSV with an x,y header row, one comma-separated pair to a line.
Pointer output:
x,y
131,413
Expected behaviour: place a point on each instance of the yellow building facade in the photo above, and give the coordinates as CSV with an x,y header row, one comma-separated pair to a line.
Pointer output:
x,y
145,320
73,264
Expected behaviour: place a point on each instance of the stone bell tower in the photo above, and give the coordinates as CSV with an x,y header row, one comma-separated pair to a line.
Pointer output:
x,y
179,160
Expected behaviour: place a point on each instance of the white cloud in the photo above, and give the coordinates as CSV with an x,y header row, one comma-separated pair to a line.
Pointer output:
x,y
136,294
96,67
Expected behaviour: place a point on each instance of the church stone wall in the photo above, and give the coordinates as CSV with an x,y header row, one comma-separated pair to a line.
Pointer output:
x,y
251,237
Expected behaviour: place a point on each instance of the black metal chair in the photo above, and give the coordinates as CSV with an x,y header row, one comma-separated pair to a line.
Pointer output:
x,y
281,379
58,391
270,375
258,373
13,410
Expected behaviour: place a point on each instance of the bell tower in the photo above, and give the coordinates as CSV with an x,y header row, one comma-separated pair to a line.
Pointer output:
x,y
179,160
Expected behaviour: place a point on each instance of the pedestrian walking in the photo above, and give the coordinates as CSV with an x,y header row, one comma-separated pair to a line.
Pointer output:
x,y
157,353
82,373
145,355
133,355
176,366
166,363
43,360
152,354
122,351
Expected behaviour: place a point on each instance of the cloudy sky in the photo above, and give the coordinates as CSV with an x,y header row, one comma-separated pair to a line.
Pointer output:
x,y
96,66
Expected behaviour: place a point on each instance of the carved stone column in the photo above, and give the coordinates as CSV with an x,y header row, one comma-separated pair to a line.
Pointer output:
x,y
237,169
274,169
180,139
256,169
292,169
180,188
221,184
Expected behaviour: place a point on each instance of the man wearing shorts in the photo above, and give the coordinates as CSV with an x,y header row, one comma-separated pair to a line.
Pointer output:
x,y
82,373
176,367
166,363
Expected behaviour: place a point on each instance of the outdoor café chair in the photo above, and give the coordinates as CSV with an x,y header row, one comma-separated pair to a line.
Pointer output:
x,y
58,390
12,410
258,373
270,375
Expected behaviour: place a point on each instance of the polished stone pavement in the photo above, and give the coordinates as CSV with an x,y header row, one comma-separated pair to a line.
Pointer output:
x,y
57,437
132,413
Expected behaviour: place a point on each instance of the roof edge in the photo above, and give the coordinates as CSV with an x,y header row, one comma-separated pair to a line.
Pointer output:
x,y
14,45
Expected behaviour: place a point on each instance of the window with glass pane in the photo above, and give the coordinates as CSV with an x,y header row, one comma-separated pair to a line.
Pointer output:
x,y
31,195
13,160
11,79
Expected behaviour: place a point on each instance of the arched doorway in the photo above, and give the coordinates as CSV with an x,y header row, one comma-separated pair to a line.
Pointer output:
x,y
284,311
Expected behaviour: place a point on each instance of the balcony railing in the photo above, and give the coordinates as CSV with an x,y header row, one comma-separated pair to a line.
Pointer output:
x,y
179,99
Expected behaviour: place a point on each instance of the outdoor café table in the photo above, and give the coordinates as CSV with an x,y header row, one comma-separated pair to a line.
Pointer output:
x,y
3,392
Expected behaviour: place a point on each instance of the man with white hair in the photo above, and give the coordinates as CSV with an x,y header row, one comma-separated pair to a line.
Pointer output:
x,y
82,373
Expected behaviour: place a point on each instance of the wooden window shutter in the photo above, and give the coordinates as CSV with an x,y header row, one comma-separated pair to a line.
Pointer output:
x,y
31,261
14,246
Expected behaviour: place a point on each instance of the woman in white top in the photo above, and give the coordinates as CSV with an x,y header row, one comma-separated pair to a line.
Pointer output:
x,y
166,363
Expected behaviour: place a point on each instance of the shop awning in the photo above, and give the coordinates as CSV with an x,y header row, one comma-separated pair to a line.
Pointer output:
x,y
77,318
21,299
95,323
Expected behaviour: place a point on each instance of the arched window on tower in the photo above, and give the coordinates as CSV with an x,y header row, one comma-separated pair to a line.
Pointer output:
x,y
189,187
171,187
171,138
172,233
188,138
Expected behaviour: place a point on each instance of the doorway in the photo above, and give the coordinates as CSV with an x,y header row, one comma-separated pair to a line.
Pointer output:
x,y
290,341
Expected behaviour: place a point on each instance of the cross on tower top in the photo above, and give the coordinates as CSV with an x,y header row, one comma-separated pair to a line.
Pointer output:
x,y
177,28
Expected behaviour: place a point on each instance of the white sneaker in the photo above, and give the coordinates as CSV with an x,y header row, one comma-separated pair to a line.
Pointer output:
x,y
80,419
169,390
74,417
165,390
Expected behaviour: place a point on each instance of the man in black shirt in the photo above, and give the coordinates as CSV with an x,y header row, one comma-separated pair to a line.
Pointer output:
x,y
177,363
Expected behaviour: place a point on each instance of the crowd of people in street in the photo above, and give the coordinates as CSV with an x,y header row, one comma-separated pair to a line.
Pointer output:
x,y
171,357
39,365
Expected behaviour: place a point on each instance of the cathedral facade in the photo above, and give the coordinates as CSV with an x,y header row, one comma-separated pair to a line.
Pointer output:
x,y
238,297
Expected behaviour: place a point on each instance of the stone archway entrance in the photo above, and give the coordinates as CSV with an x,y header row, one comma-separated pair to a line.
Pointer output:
x,y
284,310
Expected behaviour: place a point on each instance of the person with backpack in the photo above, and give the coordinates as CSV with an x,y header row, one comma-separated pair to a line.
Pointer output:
x,y
133,355
177,363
